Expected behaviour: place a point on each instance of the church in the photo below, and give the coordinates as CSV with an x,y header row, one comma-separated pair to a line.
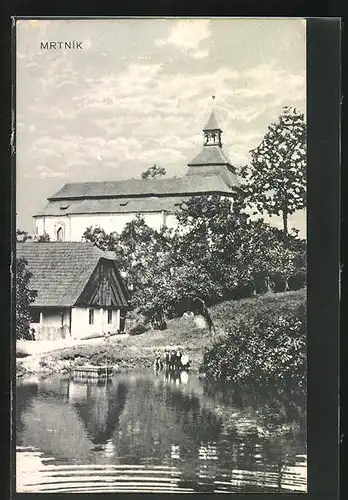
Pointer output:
x,y
111,204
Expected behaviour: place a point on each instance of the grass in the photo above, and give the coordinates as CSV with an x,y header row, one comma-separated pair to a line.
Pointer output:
x,y
138,351
128,352
231,311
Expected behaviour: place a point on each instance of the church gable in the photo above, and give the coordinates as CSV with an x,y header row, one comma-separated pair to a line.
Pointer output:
x,y
105,288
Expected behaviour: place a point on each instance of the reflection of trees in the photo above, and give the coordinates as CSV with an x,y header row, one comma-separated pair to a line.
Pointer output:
x,y
54,428
101,409
164,426
224,433
274,426
25,394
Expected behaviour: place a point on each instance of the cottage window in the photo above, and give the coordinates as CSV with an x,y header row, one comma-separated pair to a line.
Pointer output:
x,y
60,234
35,316
91,316
109,316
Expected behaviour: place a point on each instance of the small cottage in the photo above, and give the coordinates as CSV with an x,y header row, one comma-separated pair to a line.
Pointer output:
x,y
80,292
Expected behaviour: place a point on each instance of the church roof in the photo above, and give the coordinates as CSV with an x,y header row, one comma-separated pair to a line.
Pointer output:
x,y
113,205
226,172
61,270
212,123
210,155
187,186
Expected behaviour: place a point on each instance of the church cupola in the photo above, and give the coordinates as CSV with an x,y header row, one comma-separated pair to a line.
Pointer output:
x,y
212,132
212,160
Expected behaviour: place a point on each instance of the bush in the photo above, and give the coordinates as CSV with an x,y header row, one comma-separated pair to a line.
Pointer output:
x,y
21,354
267,344
138,329
92,336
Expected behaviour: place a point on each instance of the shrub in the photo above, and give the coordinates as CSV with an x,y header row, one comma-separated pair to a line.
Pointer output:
x,y
138,329
24,298
92,336
267,344
21,354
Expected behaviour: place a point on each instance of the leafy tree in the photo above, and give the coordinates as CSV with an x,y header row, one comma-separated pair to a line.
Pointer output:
x,y
154,172
267,344
276,180
22,235
24,298
240,255
98,236
142,257
43,238
217,252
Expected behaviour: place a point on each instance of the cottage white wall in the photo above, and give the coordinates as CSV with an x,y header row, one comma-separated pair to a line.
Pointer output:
x,y
54,324
80,326
54,318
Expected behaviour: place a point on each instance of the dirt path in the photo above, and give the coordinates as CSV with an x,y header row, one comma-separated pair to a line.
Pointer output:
x,y
38,347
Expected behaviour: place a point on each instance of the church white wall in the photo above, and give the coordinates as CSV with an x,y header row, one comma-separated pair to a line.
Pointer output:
x,y
74,226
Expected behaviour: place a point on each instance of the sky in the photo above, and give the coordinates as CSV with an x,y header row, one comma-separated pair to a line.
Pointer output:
x,y
140,91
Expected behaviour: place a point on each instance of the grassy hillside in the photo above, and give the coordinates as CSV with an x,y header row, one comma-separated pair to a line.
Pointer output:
x,y
129,352
230,312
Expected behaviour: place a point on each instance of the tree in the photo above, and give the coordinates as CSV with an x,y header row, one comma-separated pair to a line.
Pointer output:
x,y
276,180
103,240
22,235
142,256
216,253
241,256
154,172
43,238
24,298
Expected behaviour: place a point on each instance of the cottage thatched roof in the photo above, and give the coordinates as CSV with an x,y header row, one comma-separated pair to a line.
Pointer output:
x,y
61,270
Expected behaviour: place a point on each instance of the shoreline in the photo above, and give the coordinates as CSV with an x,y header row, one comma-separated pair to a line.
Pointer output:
x,y
47,365
65,368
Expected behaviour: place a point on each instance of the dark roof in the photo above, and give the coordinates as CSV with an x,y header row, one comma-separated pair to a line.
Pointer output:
x,y
226,172
212,123
142,187
210,155
113,205
60,270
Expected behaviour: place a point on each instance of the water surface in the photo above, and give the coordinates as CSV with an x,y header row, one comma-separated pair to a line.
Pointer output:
x,y
151,432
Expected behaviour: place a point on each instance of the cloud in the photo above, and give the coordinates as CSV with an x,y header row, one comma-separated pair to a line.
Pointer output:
x,y
46,172
161,155
187,34
200,54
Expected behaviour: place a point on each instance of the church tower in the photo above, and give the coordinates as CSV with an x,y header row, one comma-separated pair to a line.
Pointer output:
x,y
212,160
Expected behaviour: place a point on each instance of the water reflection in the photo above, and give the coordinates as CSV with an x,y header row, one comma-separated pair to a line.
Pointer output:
x,y
159,432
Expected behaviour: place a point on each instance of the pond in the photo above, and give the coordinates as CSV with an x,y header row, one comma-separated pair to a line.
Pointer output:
x,y
158,432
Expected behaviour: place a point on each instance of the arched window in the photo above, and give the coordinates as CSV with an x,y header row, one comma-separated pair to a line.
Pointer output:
x,y
60,234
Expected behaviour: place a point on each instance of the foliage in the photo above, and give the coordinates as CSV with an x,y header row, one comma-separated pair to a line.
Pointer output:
x,y
267,344
98,236
138,329
43,238
20,353
217,252
22,235
154,172
24,298
276,180
238,255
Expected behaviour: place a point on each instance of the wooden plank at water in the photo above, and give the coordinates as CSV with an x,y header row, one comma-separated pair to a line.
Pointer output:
x,y
93,372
